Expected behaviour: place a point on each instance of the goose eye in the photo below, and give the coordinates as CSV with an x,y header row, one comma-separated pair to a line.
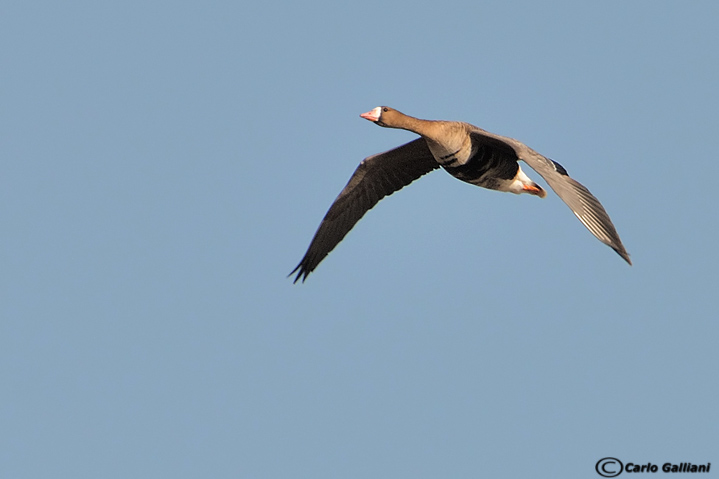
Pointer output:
x,y
385,109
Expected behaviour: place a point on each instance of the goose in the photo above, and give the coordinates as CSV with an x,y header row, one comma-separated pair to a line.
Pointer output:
x,y
466,152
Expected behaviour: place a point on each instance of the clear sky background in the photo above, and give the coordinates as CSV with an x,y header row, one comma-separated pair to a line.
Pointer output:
x,y
164,165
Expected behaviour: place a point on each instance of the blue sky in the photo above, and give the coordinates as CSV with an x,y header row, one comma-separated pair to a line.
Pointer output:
x,y
165,165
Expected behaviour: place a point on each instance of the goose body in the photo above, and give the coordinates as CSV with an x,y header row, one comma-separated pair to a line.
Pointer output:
x,y
466,152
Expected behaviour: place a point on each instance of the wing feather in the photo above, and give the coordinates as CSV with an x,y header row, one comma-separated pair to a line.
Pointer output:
x,y
376,176
585,206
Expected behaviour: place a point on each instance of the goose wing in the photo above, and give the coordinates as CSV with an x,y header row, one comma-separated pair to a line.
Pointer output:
x,y
376,176
583,204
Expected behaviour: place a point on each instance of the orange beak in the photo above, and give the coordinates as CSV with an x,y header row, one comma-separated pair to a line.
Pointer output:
x,y
372,115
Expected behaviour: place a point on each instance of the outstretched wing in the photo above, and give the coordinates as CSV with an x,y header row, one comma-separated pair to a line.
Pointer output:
x,y
583,204
376,177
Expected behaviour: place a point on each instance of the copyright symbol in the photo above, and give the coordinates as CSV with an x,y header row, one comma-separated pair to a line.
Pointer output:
x,y
609,467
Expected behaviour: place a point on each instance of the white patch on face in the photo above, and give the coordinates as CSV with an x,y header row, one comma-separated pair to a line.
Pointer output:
x,y
373,114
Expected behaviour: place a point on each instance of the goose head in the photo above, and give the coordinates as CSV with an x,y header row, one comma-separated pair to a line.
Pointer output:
x,y
385,116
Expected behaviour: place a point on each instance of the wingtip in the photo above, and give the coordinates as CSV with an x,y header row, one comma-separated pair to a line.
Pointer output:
x,y
303,273
625,256
293,272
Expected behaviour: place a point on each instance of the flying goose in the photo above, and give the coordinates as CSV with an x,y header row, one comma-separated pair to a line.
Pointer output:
x,y
466,152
